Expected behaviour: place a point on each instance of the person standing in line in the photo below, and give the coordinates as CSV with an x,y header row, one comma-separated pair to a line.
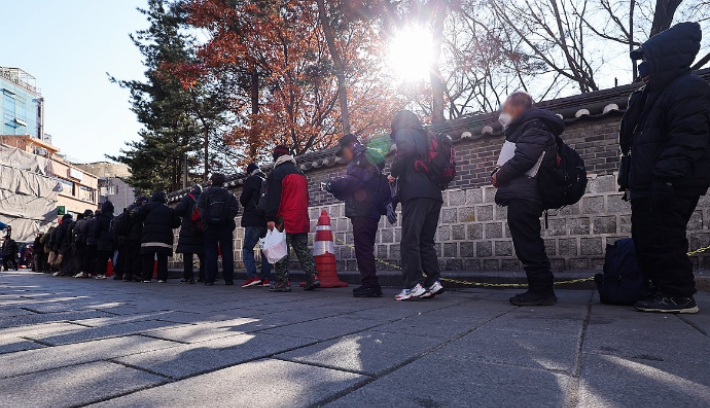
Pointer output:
x,y
665,136
254,225
191,240
62,244
9,251
79,242
132,244
158,220
38,248
534,133
46,242
104,239
287,209
359,189
91,245
421,204
218,208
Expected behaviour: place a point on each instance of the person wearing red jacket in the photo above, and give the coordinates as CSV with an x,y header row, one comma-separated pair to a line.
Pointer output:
x,y
287,209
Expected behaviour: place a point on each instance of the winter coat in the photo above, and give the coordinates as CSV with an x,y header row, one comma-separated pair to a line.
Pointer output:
x,y
158,220
38,246
10,248
360,186
207,196
136,232
249,200
91,225
63,236
191,240
533,133
287,196
48,239
667,124
411,140
79,233
103,233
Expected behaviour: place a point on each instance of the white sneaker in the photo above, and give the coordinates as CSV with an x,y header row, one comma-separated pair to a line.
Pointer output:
x,y
100,277
162,281
81,275
56,273
407,294
435,289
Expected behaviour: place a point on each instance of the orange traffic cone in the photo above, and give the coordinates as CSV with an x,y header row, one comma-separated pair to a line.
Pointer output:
x,y
109,269
324,254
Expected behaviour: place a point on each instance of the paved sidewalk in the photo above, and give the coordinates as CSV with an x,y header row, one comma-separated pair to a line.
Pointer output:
x,y
68,342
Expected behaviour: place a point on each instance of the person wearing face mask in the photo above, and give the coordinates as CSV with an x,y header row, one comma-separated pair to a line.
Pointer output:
x,y
665,168
532,134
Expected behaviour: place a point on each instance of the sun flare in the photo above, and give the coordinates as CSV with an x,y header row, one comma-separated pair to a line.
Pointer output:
x,y
409,54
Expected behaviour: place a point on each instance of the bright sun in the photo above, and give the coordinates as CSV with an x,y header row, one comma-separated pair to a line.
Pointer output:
x,y
410,54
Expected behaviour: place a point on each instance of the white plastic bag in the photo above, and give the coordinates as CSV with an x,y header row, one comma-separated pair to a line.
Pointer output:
x,y
274,246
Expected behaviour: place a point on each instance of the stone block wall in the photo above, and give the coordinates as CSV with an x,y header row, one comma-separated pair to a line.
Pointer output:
x,y
473,234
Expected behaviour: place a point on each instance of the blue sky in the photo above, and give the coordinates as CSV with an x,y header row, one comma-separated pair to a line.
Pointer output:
x,y
69,45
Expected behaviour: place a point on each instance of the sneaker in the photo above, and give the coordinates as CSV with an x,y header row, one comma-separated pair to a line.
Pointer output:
x,y
57,274
81,275
367,292
146,281
127,279
281,286
668,304
413,293
265,283
100,277
209,283
229,283
312,285
433,290
251,282
117,277
162,281
187,282
530,298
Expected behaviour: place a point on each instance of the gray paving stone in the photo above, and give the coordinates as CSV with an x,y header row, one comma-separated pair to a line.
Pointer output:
x,y
17,344
441,382
371,352
625,382
204,332
6,312
323,329
263,383
74,386
96,333
30,361
189,360
112,320
432,326
51,317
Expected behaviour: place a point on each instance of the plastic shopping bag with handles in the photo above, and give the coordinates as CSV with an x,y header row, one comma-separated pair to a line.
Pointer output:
x,y
273,246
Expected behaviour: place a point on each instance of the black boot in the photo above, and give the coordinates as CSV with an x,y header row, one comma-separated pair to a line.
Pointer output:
x,y
535,298
367,291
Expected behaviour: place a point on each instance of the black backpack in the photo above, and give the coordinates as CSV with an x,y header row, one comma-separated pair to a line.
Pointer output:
x,y
216,212
261,203
622,282
121,225
564,184
438,162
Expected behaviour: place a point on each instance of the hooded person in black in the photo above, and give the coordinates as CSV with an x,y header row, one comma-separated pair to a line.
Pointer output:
x,y
665,138
254,223
191,240
104,239
421,204
132,244
534,132
158,220
62,244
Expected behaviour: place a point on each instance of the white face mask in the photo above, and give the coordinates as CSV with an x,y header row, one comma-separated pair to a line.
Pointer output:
x,y
504,119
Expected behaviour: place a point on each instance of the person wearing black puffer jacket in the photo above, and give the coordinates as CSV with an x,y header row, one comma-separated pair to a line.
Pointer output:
x,y
254,224
421,205
91,245
132,244
665,133
158,220
62,244
534,133
191,240
104,239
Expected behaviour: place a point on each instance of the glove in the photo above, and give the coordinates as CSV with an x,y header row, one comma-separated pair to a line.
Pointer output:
x,y
661,195
391,213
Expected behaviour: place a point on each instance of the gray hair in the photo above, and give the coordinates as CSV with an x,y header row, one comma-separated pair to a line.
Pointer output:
x,y
521,98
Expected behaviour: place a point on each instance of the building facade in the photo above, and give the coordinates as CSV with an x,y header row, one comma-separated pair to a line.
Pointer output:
x,y
112,184
22,106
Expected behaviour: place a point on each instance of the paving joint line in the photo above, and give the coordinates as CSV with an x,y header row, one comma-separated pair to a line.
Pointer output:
x,y
572,398
693,325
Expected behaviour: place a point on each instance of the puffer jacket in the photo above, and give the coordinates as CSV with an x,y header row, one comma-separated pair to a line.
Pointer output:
x,y
48,239
136,232
103,233
249,200
158,220
91,225
411,139
63,237
533,133
667,124
190,240
360,186
287,196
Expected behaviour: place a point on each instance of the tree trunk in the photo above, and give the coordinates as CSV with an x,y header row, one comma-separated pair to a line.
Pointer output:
x,y
254,136
634,63
339,66
207,154
663,15
437,82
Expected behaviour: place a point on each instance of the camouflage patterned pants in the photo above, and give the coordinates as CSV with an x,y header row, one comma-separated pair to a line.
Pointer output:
x,y
299,244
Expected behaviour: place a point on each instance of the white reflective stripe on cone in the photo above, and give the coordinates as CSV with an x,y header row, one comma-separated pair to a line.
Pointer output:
x,y
323,247
323,228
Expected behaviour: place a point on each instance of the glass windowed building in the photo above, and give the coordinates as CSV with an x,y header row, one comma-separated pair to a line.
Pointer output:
x,y
21,104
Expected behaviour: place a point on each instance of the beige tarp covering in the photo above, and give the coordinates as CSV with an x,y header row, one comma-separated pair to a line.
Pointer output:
x,y
27,200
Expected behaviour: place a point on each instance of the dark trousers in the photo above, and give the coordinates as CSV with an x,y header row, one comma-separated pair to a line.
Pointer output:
x,y
148,263
120,267
219,238
252,235
45,262
90,259
67,267
9,262
420,218
364,233
188,266
526,231
661,244
133,259
79,253
102,258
